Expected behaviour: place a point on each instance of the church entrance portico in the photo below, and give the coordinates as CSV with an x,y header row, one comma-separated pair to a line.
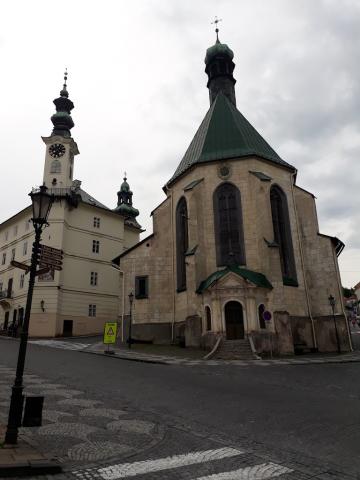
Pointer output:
x,y
234,320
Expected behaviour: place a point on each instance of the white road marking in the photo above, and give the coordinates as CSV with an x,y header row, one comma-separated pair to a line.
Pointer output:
x,y
256,472
60,344
125,470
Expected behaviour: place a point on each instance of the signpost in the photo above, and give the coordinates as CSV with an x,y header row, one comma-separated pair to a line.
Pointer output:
x,y
110,332
267,317
50,257
23,266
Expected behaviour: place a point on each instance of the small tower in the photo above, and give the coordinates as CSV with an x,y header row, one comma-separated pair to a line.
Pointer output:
x,y
125,205
60,147
219,68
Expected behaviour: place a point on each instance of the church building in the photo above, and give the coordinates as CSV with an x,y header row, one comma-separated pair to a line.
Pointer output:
x,y
236,252
81,297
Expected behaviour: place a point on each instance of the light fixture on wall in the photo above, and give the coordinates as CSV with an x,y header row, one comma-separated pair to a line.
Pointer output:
x,y
42,305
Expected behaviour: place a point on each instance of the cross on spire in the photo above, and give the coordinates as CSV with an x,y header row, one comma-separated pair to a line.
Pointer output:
x,y
64,92
125,176
216,22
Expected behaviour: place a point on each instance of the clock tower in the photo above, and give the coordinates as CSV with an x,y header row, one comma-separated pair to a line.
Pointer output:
x,y
60,146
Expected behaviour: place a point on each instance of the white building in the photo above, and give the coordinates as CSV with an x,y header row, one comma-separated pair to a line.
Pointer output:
x,y
78,299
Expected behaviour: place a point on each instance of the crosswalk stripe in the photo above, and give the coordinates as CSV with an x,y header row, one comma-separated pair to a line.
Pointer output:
x,y
61,345
256,472
125,470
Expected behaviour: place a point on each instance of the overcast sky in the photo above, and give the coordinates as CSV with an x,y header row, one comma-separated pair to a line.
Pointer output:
x,y
136,77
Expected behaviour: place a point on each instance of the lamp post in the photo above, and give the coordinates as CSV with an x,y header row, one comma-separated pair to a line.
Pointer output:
x,y
41,204
131,299
332,302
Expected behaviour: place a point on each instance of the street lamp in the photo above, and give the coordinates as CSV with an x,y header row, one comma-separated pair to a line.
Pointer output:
x,y
131,299
41,204
332,302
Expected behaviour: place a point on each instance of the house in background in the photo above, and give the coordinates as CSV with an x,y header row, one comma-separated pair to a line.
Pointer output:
x,y
82,296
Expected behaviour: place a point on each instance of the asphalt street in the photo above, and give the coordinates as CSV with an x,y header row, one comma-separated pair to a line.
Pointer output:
x,y
287,422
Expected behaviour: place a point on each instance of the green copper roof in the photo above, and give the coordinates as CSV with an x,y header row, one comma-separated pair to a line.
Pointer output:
x,y
223,134
218,49
256,278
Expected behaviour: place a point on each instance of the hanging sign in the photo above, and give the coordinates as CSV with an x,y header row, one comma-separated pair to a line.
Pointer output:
x,y
110,330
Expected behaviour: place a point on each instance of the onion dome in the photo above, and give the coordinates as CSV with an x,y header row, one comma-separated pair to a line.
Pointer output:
x,y
124,205
62,120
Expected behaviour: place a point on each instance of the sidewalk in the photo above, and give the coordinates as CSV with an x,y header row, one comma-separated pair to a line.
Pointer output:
x,y
23,460
173,355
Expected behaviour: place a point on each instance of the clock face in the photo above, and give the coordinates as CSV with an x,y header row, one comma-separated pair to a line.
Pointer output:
x,y
57,150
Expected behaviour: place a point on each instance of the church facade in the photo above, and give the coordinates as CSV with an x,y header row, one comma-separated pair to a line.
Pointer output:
x,y
81,297
236,251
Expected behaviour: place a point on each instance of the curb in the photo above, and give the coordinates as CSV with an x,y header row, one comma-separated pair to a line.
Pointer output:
x,y
30,469
135,359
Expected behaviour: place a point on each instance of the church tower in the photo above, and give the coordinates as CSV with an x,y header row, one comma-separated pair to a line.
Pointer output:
x,y
60,146
219,69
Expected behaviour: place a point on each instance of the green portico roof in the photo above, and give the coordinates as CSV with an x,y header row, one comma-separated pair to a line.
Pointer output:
x,y
223,134
258,279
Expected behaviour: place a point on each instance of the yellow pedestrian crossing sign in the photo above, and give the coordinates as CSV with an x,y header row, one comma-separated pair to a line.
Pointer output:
x,y
110,330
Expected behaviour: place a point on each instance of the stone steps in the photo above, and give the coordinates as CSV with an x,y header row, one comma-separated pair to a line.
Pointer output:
x,y
234,350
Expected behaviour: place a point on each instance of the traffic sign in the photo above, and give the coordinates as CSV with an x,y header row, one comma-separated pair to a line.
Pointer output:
x,y
46,259
110,330
267,316
23,266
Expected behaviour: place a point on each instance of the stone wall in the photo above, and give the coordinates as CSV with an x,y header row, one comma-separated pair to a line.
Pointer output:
x,y
325,333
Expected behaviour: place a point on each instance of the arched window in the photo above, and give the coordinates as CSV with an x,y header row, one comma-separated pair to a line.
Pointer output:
x,y
261,310
229,234
282,234
208,318
55,166
182,243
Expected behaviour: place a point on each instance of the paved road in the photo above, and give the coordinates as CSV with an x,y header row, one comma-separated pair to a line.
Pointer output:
x,y
109,418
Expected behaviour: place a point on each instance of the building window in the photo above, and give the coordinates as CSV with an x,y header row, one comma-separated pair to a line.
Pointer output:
x,y
15,230
13,254
22,278
229,232
142,287
6,236
96,246
55,166
93,278
182,243
92,310
25,248
97,222
282,234
1,286
27,225
3,261
261,310
208,318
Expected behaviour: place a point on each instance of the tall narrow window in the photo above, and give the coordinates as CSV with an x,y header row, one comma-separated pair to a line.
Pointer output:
x,y
229,233
96,246
22,278
92,310
282,234
27,225
13,254
25,248
208,318
182,243
141,287
93,278
97,222
3,261
261,310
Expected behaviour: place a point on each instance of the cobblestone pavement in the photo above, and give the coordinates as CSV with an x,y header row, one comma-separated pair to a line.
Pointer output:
x,y
93,441
98,348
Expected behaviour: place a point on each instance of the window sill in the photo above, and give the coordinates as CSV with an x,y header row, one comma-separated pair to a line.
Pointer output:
x,y
290,282
141,297
182,289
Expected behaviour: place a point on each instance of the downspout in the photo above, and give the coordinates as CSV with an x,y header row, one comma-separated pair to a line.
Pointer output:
x,y
172,268
303,263
341,296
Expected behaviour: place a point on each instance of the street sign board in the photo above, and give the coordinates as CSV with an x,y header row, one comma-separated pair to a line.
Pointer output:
x,y
42,271
110,330
47,259
50,266
23,266
51,250
267,316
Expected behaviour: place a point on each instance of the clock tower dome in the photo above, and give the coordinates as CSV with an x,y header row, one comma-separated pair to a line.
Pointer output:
x,y
60,146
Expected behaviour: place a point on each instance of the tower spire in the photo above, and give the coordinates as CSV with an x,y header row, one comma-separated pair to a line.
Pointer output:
x,y
62,120
220,68
216,22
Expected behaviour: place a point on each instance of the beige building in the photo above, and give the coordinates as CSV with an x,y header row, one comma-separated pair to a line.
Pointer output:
x,y
236,251
78,299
